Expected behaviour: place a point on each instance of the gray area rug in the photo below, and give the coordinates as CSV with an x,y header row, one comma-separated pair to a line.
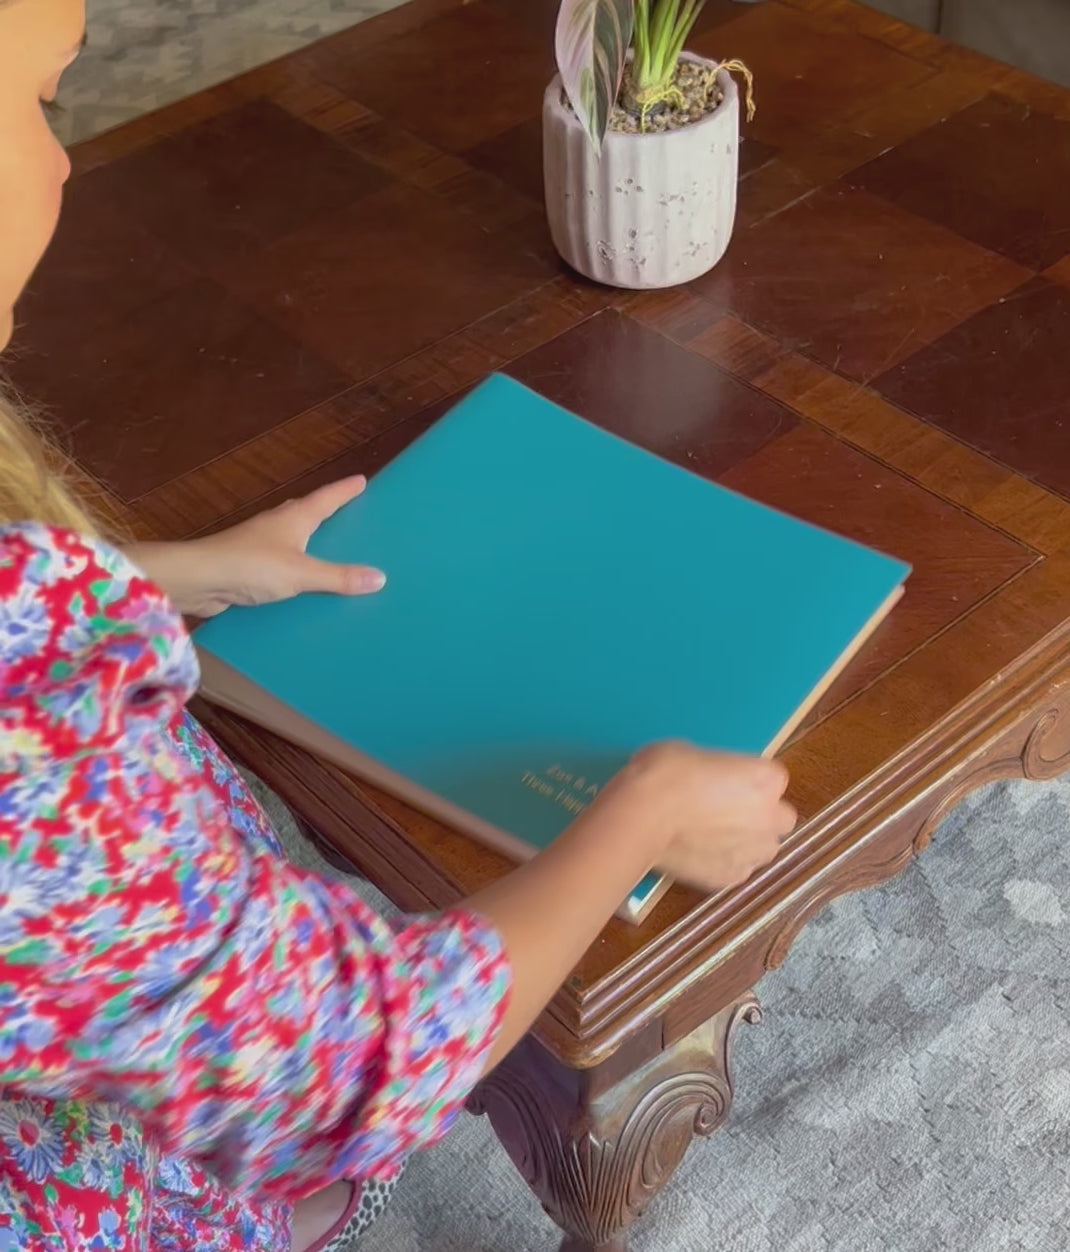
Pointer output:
x,y
908,1090
142,54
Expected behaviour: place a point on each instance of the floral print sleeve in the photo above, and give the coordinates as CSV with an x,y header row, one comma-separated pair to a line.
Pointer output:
x,y
256,1016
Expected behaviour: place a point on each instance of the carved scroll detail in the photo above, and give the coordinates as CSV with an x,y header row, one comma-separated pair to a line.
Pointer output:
x,y
1053,728
595,1169
1050,730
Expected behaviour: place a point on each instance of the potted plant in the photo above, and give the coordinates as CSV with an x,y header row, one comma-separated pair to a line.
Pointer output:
x,y
640,143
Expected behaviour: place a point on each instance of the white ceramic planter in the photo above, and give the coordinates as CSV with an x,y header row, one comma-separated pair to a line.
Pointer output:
x,y
653,210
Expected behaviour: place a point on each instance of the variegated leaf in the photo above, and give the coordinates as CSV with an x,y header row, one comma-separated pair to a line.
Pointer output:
x,y
591,42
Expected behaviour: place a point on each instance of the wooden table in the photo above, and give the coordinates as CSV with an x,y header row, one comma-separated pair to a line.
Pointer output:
x,y
283,279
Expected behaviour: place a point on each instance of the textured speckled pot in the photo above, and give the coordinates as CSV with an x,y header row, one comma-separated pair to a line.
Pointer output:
x,y
651,211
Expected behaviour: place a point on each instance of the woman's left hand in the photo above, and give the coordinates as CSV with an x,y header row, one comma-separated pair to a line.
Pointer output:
x,y
257,561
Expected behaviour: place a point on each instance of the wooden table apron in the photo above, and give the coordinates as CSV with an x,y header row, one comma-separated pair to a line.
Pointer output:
x,y
287,277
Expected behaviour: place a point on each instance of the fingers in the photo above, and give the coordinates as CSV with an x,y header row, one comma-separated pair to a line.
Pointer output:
x,y
341,580
787,818
775,777
719,875
322,503
733,855
769,827
767,777
338,579
747,772
723,872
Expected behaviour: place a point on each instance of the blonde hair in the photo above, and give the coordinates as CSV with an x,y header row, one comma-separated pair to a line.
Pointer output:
x,y
34,478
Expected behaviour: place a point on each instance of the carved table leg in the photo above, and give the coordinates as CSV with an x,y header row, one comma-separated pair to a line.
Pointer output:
x,y
596,1155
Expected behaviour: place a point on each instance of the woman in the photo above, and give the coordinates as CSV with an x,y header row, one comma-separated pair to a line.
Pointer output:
x,y
202,1046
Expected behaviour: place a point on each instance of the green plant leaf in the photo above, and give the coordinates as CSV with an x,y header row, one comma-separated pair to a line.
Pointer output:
x,y
662,27
681,31
663,20
591,43
641,40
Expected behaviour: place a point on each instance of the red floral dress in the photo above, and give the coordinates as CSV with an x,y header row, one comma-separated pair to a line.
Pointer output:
x,y
193,1032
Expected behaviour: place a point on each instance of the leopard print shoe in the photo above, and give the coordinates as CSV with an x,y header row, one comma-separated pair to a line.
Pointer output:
x,y
370,1197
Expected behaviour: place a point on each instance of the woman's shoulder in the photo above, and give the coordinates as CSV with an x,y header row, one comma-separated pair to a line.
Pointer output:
x,y
82,635
46,559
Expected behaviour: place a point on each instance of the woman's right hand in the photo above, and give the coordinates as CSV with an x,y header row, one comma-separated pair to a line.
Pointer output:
x,y
713,817
707,818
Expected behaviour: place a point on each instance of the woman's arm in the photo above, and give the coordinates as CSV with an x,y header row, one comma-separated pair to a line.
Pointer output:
x,y
253,1013
600,858
257,561
152,952
706,818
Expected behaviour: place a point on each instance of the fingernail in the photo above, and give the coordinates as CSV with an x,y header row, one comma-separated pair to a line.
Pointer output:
x,y
372,580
